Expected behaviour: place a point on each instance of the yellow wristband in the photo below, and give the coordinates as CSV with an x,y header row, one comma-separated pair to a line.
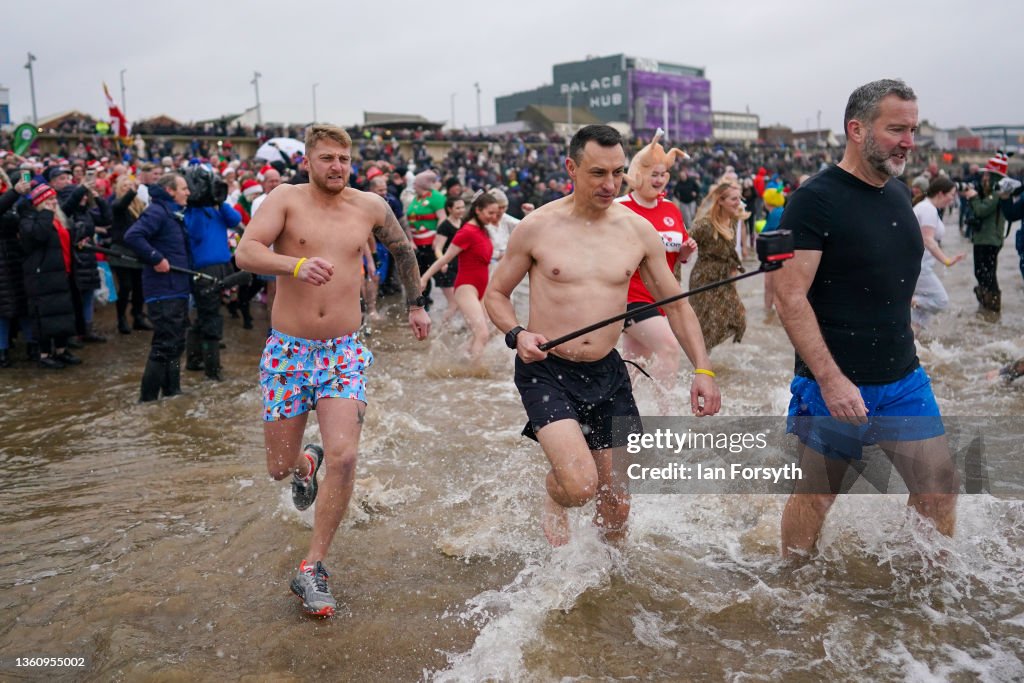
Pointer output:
x,y
947,262
702,371
295,273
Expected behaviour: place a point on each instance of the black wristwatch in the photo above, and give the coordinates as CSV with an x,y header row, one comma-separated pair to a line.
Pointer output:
x,y
418,302
510,336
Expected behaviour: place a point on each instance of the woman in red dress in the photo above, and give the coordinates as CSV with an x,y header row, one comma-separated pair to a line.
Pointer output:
x,y
472,245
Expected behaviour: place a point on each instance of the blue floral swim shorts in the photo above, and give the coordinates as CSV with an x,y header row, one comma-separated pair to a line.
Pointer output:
x,y
295,373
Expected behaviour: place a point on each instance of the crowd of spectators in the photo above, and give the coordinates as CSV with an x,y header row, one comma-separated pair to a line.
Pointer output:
x,y
527,169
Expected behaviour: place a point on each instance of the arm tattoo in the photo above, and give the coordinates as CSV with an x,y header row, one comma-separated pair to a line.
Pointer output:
x,y
394,239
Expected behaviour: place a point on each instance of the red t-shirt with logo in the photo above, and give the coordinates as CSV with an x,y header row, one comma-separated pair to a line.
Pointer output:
x,y
667,220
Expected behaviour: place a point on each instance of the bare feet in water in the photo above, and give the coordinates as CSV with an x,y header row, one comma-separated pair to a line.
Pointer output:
x,y
555,521
615,536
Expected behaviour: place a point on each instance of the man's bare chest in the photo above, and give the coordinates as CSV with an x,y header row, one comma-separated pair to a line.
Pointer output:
x,y
593,259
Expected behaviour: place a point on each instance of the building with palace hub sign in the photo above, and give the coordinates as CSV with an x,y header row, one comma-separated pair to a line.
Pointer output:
x,y
645,94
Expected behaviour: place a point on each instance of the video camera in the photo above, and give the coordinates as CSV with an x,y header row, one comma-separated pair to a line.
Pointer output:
x,y
1010,186
773,248
206,188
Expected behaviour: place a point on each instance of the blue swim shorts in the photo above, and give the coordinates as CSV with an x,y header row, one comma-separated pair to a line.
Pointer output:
x,y
904,410
295,373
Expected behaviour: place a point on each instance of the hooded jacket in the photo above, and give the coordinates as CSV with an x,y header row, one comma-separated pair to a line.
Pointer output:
x,y
207,229
82,222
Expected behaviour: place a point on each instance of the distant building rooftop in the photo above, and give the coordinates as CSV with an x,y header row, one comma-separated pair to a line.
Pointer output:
x,y
390,120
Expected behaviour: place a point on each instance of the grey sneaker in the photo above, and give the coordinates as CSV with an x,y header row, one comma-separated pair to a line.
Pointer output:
x,y
304,492
310,585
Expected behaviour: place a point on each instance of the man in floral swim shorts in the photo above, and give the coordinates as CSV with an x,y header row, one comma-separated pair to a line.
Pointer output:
x,y
311,237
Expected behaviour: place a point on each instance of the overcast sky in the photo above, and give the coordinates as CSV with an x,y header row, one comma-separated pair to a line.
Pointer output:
x,y
785,60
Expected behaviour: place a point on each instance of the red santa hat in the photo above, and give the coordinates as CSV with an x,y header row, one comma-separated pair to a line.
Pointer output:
x,y
251,188
262,171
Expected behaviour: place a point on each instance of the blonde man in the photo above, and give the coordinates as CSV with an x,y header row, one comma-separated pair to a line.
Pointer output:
x,y
311,236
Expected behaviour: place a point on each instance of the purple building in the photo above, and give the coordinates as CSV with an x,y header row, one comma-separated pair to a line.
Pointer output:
x,y
644,93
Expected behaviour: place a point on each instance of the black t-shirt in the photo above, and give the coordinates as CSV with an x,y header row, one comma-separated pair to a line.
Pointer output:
x,y
686,191
871,248
448,230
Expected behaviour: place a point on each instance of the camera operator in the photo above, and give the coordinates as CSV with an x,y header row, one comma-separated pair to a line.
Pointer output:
x,y
207,220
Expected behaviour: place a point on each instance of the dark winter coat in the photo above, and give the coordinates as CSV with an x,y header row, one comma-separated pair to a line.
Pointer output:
x,y
47,283
687,191
122,219
84,220
12,282
158,234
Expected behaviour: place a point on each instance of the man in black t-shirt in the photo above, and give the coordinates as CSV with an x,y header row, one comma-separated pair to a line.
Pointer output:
x,y
845,304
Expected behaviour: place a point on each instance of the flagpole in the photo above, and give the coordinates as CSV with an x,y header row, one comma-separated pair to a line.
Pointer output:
x,y
124,107
32,86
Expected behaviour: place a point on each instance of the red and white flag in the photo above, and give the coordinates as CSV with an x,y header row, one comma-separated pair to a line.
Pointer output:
x,y
117,118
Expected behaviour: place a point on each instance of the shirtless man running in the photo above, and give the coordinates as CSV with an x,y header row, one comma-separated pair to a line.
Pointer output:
x,y
580,253
313,360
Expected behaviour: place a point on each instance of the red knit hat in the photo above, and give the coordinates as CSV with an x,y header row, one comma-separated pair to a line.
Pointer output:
x,y
41,193
997,164
251,188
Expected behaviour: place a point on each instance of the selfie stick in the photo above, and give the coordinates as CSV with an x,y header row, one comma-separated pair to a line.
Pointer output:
x,y
771,257
228,282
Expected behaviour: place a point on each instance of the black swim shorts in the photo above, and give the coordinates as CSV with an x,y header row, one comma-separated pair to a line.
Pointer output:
x,y
632,306
590,392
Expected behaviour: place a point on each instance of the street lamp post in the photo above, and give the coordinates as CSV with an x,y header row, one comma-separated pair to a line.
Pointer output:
x,y
479,125
452,97
256,75
664,115
32,87
124,107
675,114
314,101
